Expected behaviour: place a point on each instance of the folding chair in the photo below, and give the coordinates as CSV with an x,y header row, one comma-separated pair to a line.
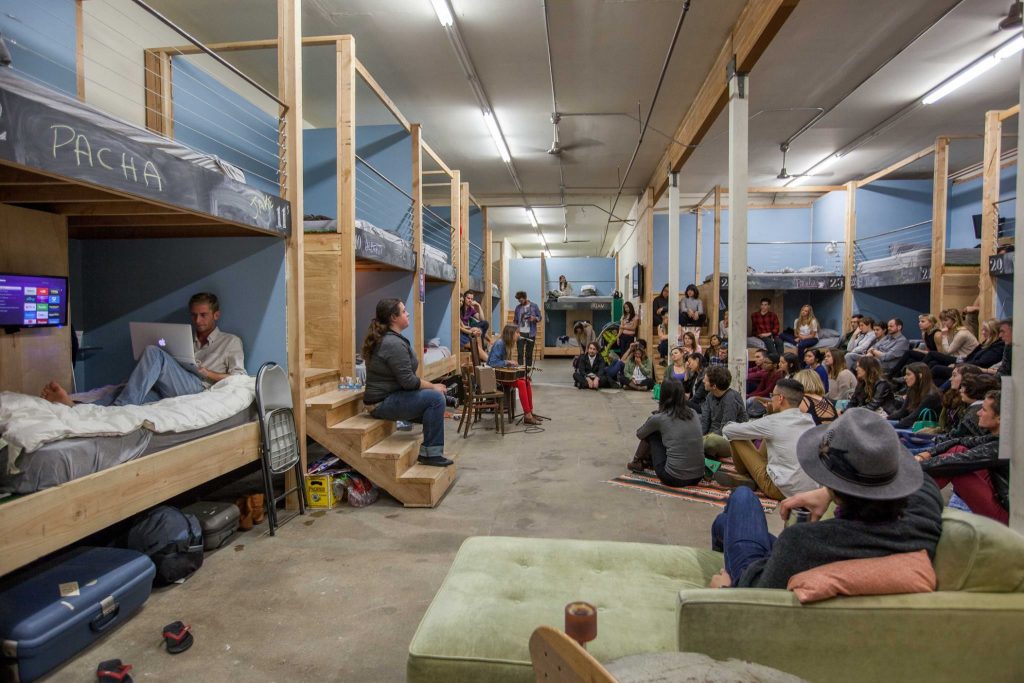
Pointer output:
x,y
280,445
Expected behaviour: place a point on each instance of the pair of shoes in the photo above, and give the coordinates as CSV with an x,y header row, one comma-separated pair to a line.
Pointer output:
x,y
635,465
113,671
731,480
531,421
177,637
402,425
251,510
434,461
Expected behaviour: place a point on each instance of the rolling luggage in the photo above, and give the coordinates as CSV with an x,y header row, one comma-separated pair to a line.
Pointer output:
x,y
218,520
52,611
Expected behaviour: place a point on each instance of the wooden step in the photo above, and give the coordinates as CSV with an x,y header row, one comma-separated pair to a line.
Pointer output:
x,y
425,488
314,375
334,399
398,451
363,431
424,474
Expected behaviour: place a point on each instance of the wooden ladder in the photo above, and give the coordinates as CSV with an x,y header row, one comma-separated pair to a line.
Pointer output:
x,y
337,420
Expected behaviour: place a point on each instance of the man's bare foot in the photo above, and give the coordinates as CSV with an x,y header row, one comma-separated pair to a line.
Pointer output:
x,y
55,393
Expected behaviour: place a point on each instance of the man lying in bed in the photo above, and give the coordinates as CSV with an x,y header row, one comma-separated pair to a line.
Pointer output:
x,y
157,375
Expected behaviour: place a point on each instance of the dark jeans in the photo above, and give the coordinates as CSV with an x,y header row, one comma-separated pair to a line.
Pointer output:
x,y
773,344
938,358
911,356
646,383
686,321
614,371
425,405
580,380
659,456
741,532
524,349
802,346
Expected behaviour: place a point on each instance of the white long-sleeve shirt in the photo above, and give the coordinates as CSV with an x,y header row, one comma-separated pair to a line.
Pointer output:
x,y
781,431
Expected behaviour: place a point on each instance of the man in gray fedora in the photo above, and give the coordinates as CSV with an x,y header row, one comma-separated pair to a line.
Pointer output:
x,y
884,505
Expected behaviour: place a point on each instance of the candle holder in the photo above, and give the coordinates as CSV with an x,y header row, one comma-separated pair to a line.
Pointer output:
x,y
581,622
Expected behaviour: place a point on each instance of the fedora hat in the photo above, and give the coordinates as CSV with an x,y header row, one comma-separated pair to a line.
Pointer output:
x,y
859,454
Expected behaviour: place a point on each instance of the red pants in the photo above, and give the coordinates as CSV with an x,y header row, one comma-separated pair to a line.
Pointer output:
x,y
975,488
525,390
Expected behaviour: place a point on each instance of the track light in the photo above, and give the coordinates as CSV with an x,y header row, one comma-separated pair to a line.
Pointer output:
x,y
974,70
499,140
444,15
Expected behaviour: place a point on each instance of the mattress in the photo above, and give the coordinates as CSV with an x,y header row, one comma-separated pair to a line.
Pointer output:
x,y
435,353
565,303
920,258
62,461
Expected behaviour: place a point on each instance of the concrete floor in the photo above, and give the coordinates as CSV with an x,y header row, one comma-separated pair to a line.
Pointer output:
x,y
337,595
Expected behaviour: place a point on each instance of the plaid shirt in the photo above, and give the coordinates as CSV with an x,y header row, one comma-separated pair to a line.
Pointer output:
x,y
764,324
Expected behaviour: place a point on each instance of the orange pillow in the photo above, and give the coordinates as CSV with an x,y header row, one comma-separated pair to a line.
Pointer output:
x,y
901,573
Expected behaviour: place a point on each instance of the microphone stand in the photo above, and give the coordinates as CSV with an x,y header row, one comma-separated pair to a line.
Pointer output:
x,y
530,369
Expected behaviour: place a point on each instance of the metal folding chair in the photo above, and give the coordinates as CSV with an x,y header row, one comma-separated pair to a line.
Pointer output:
x,y
280,445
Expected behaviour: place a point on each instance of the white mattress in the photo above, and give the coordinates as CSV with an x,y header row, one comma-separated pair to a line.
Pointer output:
x,y
919,257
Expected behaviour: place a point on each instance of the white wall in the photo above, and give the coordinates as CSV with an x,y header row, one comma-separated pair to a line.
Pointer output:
x,y
628,249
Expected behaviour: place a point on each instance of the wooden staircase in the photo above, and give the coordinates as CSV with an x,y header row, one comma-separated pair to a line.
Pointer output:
x,y
337,420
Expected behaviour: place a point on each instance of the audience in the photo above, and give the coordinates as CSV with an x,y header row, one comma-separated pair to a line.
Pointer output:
x,y
564,288
722,405
973,388
815,403
922,400
689,343
659,309
955,341
638,372
789,364
873,390
987,354
1006,335
930,333
673,438
714,344
805,330
693,384
691,308
627,327
472,326
723,328
859,345
589,372
772,467
852,334
764,324
758,398
812,361
677,364
841,381
722,359
890,348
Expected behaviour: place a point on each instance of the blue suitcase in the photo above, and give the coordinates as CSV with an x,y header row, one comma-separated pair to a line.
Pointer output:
x,y
51,612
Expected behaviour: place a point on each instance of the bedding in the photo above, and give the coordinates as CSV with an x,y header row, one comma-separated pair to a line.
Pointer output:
x,y
919,257
434,353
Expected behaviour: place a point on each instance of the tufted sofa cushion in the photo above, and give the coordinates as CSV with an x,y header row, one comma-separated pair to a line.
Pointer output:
x,y
499,589
978,555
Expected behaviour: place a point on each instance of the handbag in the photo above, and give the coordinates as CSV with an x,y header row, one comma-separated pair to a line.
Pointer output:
x,y
927,419
656,392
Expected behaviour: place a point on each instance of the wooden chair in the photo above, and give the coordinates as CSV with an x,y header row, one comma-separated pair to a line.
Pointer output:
x,y
557,658
477,401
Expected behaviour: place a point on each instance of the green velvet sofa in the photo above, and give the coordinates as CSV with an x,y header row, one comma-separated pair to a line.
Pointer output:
x,y
652,598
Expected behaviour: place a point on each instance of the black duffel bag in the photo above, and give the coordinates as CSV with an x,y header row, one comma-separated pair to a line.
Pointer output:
x,y
173,540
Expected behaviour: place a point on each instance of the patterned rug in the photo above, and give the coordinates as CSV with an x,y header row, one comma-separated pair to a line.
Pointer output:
x,y
706,491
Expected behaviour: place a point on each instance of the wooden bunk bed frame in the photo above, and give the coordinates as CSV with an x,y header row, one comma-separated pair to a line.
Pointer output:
x,y
993,264
40,523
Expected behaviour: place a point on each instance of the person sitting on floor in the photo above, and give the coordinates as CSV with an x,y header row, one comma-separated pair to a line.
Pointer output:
x,y
590,370
930,339
676,368
815,403
157,375
1003,368
673,437
890,348
987,354
955,343
841,382
693,381
714,344
393,391
973,388
922,401
812,361
852,334
690,344
638,372
873,391
721,360
722,405
884,505
973,466
691,308
500,357
870,333
758,397
773,467
789,364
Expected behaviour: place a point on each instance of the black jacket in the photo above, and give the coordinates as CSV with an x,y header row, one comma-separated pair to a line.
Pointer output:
x,y
586,367
907,416
391,368
883,397
982,454
986,356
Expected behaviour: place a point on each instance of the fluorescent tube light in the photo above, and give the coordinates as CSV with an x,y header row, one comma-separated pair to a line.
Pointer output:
x,y
444,15
1011,48
499,141
1008,49
820,166
532,217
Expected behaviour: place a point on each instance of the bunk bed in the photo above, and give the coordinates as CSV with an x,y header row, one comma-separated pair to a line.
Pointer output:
x,y
102,178
911,264
377,247
802,278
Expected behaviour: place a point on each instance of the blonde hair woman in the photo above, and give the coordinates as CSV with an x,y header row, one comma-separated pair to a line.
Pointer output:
x,y
989,352
815,403
956,342
805,327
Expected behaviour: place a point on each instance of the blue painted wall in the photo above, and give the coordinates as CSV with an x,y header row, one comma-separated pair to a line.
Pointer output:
x,y
828,220
41,38
906,302
476,238
437,314
597,271
212,118
388,149
523,274
437,228
371,287
687,247
115,282
965,202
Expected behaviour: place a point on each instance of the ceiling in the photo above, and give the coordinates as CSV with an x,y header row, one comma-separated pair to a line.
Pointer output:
x,y
861,61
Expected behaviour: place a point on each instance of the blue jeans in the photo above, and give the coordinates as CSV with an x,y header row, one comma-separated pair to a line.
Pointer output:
x,y
156,376
424,405
613,371
802,346
741,532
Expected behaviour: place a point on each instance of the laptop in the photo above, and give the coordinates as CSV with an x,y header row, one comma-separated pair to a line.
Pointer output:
x,y
174,338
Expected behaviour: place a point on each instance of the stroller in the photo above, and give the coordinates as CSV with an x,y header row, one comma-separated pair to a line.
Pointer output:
x,y
607,340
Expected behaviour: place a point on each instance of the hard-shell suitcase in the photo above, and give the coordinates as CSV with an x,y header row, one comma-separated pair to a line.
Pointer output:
x,y
50,612
218,520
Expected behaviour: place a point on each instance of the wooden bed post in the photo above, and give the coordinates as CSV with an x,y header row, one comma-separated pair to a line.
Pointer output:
x,y
848,260
79,51
417,241
464,236
488,303
716,290
647,300
696,261
346,171
289,79
989,210
940,196
456,248
157,81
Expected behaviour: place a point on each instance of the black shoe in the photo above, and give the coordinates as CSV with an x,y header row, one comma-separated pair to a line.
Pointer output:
x,y
435,461
113,671
733,481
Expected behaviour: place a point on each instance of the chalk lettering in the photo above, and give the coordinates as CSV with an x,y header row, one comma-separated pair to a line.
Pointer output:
x,y
56,129
262,203
82,148
99,158
149,171
125,167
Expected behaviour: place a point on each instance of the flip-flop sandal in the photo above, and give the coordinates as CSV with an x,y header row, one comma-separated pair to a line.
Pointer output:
x,y
177,637
113,671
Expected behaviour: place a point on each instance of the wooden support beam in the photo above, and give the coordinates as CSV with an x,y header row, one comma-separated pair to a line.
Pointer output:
x,y
383,96
464,237
346,161
79,51
437,159
930,149
157,84
10,175
798,189
456,250
989,211
418,281
139,221
487,304
244,45
698,247
435,172
940,196
55,194
716,291
1008,113
114,208
756,26
850,235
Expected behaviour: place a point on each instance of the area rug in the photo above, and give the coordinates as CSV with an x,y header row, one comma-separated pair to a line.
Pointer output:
x,y
706,491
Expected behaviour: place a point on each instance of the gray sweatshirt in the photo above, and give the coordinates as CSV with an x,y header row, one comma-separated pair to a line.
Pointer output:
x,y
391,368
718,412
683,444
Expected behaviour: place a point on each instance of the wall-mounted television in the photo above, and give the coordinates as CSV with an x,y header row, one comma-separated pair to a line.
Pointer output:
x,y
638,280
33,300
1000,226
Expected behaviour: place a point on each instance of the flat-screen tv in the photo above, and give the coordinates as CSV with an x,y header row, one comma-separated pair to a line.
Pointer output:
x,y
638,280
977,225
33,300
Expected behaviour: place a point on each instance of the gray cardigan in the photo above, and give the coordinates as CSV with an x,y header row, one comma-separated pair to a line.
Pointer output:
x,y
718,412
391,368
683,443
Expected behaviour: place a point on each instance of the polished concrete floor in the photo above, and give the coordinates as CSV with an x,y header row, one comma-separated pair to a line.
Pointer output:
x,y
337,595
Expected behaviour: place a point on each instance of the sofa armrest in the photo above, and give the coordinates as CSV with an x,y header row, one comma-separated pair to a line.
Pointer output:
x,y
921,637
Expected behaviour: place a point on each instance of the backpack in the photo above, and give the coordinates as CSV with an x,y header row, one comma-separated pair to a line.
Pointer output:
x,y
171,538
